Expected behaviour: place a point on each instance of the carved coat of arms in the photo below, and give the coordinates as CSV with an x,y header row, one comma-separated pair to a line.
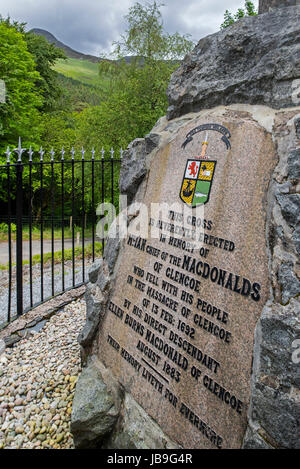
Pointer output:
x,y
199,171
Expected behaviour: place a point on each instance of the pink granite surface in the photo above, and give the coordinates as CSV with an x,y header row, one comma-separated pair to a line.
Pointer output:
x,y
198,417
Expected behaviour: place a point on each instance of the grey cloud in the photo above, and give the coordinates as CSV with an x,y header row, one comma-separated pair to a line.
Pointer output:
x,y
198,18
91,26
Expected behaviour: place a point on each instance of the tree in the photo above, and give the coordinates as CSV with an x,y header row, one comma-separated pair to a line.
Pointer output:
x,y
136,96
19,113
146,37
229,18
45,56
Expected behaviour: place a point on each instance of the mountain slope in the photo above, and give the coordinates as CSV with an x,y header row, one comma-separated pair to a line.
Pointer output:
x,y
68,50
84,71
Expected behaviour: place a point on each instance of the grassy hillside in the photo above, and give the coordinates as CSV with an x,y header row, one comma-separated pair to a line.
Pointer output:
x,y
81,70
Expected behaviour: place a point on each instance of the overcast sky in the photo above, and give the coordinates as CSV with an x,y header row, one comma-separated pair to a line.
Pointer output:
x,y
90,26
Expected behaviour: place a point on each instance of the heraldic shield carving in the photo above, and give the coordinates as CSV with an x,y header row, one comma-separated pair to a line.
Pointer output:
x,y
199,171
197,181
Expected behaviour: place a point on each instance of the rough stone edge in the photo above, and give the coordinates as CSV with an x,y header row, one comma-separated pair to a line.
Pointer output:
x,y
184,80
275,385
135,429
96,406
114,420
21,327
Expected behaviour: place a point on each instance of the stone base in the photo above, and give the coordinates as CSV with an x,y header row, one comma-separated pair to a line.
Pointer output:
x,y
104,416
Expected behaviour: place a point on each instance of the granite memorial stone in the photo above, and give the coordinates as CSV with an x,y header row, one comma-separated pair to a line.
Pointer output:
x,y
179,327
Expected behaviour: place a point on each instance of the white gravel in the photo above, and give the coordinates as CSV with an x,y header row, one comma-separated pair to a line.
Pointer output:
x,y
37,381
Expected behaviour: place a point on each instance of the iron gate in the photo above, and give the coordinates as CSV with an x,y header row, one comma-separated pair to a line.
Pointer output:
x,y
45,194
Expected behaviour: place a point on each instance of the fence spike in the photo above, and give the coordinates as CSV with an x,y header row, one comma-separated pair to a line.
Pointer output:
x,y
93,153
62,153
52,153
112,153
102,153
41,152
19,150
30,153
72,153
8,153
82,153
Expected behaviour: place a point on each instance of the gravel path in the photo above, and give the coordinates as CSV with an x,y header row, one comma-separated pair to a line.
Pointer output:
x,y
47,282
37,381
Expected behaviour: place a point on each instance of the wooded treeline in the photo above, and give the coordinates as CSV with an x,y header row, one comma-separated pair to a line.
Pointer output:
x,y
47,109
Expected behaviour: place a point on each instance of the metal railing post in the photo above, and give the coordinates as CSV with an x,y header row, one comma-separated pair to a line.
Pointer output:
x,y
10,244
19,244
19,215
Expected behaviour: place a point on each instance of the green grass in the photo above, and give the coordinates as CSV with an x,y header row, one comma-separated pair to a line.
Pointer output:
x,y
81,70
47,233
88,253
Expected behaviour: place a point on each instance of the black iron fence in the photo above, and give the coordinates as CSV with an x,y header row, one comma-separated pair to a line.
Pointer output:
x,y
48,222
